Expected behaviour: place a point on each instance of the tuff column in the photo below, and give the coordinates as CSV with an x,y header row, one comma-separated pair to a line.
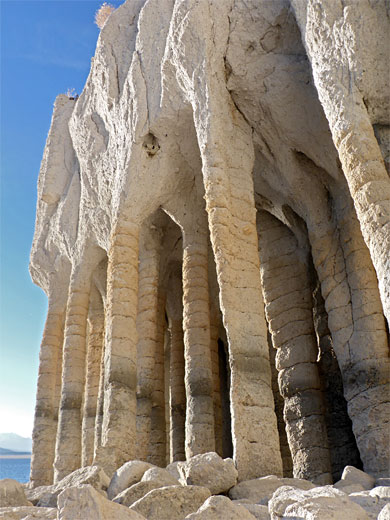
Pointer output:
x,y
196,326
68,446
47,401
289,310
120,360
94,353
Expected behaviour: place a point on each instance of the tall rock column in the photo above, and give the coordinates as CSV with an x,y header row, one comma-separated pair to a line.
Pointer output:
x,y
289,309
47,400
177,392
332,34
147,331
196,325
225,143
92,376
158,434
68,446
120,359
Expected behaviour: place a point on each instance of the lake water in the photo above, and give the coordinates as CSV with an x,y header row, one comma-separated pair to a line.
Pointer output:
x,y
17,469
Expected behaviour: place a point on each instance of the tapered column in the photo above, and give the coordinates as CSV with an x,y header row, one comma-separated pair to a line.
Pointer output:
x,y
94,353
120,361
289,310
47,401
196,325
147,343
326,27
99,407
225,143
68,446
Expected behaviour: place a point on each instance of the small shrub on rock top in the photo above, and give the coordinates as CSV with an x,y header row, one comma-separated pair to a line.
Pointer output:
x,y
103,13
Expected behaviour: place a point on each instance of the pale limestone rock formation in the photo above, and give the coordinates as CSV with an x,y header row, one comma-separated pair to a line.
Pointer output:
x,y
28,513
385,513
171,502
89,475
220,508
130,473
12,493
84,502
325,508
211,471
260,512
160,475
260,490
135,492
219,189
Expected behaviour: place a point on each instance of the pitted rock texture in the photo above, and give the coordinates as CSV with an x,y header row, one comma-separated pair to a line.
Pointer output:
x,y
219,189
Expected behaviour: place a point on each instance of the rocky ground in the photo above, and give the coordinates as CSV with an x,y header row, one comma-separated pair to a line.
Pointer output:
x,y
203,488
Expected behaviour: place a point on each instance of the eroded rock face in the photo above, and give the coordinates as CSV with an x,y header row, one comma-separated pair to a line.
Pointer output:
x,y
12,493
211,471
81,502
171,503
219,508
224,158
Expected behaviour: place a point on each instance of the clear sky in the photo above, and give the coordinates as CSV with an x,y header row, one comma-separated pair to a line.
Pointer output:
x,y
46,48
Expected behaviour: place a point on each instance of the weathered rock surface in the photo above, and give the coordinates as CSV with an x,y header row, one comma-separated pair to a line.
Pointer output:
x,y
171,503
130,473
84,502
161,476
353,475
220,508
91,475
258,511
287,495
325,508
385,513
372,503
173,469
28,513
209,470
12,493
218,189
137,491
260,490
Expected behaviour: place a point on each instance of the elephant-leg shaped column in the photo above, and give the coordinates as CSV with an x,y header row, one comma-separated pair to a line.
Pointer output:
x,y
94,353
68,446
47,401
196,325
289,310
120,360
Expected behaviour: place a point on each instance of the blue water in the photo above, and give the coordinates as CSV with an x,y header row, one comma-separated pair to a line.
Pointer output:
x,y
18,469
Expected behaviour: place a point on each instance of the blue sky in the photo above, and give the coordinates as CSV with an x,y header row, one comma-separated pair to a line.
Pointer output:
x,y
46,48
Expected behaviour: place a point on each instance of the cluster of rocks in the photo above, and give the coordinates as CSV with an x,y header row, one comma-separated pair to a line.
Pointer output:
x,y
203,488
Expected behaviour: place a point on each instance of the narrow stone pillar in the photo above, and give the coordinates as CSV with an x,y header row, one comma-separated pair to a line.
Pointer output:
x,y
177,403
47,401
92,376
158,437
120,360
68,446
214,335
289,311
196,325
99,407
147,338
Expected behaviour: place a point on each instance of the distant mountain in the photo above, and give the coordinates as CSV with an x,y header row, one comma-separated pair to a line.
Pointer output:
x,y
3,451
14,442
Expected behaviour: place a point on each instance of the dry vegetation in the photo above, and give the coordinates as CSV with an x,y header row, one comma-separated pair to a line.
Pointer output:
x,y
103,13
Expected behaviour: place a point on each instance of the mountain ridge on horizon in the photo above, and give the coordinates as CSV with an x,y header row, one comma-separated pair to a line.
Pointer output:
x,y
16,443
